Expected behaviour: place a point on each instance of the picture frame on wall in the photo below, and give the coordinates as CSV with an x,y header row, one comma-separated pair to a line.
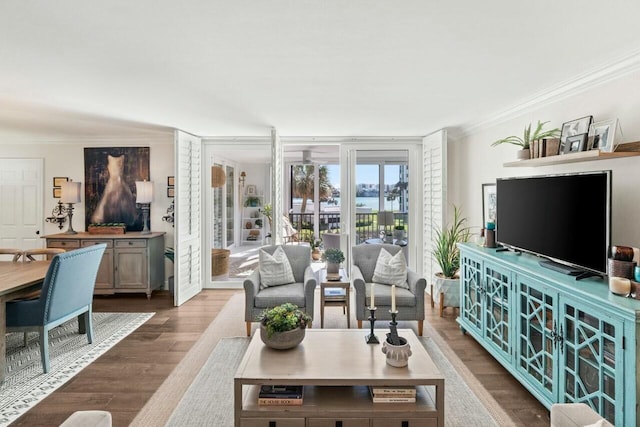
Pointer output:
x,y
489,203
59,180
575,143
604,135
171,192
251,190
57,192
171,181
574,127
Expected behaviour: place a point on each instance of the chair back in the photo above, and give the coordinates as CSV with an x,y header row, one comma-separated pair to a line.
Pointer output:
x,y
331,241
365,257
16,253
299,257
29,254
69,283
289,232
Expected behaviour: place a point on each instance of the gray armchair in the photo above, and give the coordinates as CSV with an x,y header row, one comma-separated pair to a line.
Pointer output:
x,y
300,293
409,302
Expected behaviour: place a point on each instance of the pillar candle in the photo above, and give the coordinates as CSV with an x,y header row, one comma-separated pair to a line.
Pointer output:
x,y
393,297
620,285
373,297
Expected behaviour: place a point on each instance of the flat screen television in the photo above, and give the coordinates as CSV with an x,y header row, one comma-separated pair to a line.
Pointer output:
x,y
565,218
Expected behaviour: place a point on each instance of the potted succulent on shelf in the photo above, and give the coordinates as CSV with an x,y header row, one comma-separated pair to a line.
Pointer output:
x,y
252,201
527,138
447,256
283,327
333,257
315,249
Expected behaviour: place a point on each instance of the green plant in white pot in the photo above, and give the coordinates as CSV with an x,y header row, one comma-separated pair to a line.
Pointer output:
x,y
333,257
446,288
527,138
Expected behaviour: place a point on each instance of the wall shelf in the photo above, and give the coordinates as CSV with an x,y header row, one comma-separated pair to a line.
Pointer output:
x,y
624,150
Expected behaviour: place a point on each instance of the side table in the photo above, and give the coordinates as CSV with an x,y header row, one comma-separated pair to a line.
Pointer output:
x,y
335,293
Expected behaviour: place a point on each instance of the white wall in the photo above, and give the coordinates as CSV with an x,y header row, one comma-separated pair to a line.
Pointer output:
x,y
473,162
67,159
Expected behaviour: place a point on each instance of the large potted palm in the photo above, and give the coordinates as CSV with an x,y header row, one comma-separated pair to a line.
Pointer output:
x,y
446,283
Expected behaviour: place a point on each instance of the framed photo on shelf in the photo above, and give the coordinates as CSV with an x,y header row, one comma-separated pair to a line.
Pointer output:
x,y
171,192
575,143
574,127
171,181
604,135
489,199
251,190
57,192
58,180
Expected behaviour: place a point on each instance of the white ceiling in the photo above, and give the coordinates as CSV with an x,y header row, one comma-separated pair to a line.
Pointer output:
x,y
77,68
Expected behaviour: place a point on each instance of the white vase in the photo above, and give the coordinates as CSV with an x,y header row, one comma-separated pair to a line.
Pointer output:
x,y
397,355
450,288
524,154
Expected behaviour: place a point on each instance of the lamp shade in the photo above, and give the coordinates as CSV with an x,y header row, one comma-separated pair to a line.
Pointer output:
x,y
144,192
218,178
70,192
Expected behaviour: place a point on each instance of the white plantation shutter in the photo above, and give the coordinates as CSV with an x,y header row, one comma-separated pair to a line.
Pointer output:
x,y
434,163
277,187
188,234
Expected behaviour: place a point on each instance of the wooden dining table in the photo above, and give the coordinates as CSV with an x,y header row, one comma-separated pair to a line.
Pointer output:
x,y
17,279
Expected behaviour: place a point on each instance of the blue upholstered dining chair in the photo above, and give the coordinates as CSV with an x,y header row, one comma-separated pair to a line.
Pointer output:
x,y
67,292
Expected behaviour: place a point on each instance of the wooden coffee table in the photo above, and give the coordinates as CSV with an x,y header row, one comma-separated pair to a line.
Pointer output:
x,y
338,300
335,367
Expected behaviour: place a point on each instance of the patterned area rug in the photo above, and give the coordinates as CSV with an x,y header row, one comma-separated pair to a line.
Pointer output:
x,y
25,384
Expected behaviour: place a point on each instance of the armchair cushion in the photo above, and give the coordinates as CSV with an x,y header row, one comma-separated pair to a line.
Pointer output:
x,y
391,269
275,269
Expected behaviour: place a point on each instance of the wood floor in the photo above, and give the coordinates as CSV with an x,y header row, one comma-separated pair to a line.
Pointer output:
x,y
123,379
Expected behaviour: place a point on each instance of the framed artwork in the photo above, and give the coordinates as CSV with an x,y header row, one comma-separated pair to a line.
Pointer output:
x,y
110,175
58,180
575,143
57,192
574,127
171,181
604,135
489,199
251,190
171,192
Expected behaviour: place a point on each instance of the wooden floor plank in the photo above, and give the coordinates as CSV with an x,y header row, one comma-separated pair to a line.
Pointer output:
x,y
123,379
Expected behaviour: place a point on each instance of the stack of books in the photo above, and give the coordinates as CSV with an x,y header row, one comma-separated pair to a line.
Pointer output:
x,y
387,394
280,395
334,294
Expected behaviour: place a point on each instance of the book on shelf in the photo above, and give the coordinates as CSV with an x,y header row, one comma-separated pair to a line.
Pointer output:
x,y
379,389
279,401
281,391
393,397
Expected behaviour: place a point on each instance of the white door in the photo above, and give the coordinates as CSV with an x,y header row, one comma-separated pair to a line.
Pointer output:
x,y
434,192
21,217
188,213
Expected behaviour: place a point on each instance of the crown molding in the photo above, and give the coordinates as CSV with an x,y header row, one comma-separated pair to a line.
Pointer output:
x,y
91,140
605,73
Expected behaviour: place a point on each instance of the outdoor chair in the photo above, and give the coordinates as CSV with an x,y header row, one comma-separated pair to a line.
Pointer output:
x,y
67,292
299,291
289,232
17,253
331,240
409,300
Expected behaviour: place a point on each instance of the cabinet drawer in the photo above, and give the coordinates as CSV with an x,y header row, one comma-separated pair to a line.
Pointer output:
x,y
66,244
87,243
272,422
131,243
338,422
405,422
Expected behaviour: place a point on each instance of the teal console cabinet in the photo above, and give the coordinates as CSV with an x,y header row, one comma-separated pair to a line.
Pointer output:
x,y
564,340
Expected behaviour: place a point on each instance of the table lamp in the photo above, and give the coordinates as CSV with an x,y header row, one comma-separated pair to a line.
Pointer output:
x,y
144,197
70,195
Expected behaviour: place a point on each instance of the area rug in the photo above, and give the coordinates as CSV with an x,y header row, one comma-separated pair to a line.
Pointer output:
x,y
25,384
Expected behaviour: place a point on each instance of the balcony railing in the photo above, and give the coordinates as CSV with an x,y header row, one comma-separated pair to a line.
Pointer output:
x,y
366,224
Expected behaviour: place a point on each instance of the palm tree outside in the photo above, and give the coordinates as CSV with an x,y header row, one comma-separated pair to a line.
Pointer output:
x,y
303,186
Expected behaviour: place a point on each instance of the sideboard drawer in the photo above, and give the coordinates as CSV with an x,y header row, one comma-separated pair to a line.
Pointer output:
x,y
339,422
86,243
405,422
272,422
65,244
131,243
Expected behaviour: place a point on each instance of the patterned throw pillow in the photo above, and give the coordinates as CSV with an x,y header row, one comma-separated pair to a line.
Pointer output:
x,y
275,269
391,269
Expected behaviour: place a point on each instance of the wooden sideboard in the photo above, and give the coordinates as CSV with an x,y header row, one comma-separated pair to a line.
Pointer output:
x,y
132,262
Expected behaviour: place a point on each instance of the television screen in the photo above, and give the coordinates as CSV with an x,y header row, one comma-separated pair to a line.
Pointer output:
x,y
563,217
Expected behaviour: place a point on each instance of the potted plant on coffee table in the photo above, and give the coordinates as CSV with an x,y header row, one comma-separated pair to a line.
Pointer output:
x,y
333,257
446,287
527,138
283,327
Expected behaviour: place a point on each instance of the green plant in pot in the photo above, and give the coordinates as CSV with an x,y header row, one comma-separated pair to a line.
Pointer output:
x,y
315,248
283,327
333,257
527,138
252,202
446,289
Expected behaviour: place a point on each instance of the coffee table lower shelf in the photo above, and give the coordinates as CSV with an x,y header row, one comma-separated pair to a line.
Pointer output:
x,y
348,406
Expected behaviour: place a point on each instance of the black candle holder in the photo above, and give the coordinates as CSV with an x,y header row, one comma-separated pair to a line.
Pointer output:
x,y
371,338
392,337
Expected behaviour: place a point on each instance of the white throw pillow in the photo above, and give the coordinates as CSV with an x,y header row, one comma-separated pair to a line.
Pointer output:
x,y
391,269
275,269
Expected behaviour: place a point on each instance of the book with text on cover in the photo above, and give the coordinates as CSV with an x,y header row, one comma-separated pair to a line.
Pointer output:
x,y
268,401
380,390
392,398
281,391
